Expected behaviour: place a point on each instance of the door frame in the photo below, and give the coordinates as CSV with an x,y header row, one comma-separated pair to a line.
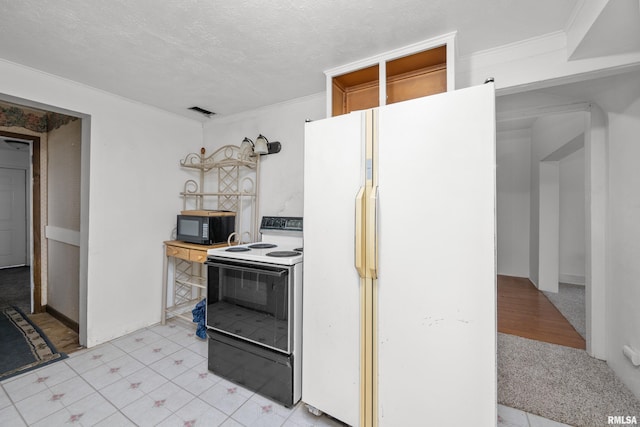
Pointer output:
x,y
596,184
38,238
36,218
596,192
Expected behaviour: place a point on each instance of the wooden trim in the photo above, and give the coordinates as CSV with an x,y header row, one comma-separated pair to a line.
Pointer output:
x,y
36,232
194,246
207,213
71,324
361,97
338,99
358,77
420,83
37,228
416,73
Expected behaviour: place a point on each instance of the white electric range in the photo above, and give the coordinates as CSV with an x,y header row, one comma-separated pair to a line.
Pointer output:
x,y
254,311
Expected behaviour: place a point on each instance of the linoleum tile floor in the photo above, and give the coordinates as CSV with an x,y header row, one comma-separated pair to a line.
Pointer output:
x,y
156,376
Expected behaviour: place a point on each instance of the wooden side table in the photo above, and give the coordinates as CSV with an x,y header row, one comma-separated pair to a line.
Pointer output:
x,y
189,277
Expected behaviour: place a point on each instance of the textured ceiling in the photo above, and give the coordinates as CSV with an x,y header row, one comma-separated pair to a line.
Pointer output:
x,y
238,55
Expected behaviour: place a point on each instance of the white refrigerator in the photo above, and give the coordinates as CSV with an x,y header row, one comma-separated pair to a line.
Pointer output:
x,y
399,282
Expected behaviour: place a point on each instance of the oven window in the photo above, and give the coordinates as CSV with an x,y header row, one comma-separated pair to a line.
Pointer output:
x,y
250,302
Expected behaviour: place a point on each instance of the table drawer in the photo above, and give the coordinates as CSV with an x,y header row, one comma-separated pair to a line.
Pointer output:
x,y
197,256
177,252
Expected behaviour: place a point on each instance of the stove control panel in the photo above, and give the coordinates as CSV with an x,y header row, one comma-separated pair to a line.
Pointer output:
x,y
284,223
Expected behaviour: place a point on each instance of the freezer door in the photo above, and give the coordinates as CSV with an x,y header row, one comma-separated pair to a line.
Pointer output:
x,y
436,274
333,176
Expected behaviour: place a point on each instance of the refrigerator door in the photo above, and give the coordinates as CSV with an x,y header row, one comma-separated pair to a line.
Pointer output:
x,y
436,275
333,177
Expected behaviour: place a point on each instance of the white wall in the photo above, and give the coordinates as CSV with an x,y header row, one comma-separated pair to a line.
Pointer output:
x,y
623,292
572,219
548,225
134,181
534,63
281,173
596,188
513,173
63,208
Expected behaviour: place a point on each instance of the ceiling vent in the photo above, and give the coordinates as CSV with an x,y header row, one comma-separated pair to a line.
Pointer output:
x,y
202,111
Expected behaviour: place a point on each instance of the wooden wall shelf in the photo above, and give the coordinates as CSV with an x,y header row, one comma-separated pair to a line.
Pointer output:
x,y
414,71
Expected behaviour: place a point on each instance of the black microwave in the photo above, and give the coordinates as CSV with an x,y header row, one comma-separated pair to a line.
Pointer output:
x,y
208,228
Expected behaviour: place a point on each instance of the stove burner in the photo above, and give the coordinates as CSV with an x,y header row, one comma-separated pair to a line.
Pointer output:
x,y
298,249
237,249
283,254
263,246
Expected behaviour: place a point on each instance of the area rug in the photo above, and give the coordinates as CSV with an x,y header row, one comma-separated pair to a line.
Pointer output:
x,y
23,345
15,288
560,383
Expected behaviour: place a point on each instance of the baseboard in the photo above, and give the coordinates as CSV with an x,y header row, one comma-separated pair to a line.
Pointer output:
x,y
71,324
571,279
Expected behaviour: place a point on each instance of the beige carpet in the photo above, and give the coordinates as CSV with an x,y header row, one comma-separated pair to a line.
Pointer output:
x,y
560,383
570,301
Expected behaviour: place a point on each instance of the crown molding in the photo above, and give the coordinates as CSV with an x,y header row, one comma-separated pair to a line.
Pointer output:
x,y
535,46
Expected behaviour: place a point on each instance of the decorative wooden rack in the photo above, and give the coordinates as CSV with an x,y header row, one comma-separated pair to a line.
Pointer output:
x,y
237,184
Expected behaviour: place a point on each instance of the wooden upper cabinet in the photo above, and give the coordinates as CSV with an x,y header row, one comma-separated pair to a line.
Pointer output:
x,y
417,75
357,90
414,71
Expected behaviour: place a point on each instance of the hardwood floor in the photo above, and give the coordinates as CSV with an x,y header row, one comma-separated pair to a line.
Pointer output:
x,y
65,340
526,312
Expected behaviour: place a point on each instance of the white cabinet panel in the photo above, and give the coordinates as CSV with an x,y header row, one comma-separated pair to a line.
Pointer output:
x,y
436,277
331,343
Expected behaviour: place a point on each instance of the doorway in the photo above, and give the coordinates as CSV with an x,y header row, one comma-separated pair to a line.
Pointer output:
x,y
13,217
562,232
537,138
58,170
31,212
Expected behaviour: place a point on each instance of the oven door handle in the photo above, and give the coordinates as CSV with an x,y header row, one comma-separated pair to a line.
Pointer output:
x,y
279,273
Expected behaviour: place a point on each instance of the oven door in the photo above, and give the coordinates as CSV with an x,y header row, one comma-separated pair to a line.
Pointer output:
x,y
251,301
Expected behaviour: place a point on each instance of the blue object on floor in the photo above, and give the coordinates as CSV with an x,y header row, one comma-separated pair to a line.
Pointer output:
x,y
198,317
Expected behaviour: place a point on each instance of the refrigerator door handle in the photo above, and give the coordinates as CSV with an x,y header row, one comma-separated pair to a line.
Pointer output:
x,y
372,233
360,244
